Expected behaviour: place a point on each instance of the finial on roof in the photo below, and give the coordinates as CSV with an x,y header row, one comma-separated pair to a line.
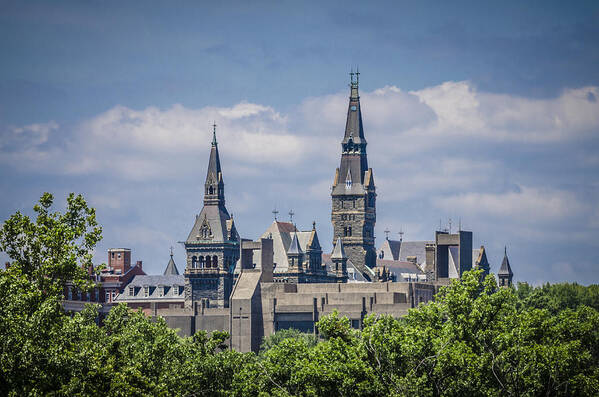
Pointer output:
x,y
214,133
291,213
275,212
400,234
387,231
171,251
505,250
313,225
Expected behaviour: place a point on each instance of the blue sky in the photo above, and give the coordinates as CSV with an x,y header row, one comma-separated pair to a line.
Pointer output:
x,y
486,112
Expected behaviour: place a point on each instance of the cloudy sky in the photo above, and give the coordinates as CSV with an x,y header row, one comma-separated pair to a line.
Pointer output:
x,y
484,113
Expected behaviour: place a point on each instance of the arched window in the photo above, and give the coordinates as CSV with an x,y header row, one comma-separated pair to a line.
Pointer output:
x,y
215,261
193,262
210,190
201,262
208,261
349,231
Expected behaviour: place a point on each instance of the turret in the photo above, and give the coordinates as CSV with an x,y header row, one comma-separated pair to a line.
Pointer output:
x,y
505,274
295,256
339,262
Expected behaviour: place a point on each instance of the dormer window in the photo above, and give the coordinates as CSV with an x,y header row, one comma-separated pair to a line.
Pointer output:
x,y
131,291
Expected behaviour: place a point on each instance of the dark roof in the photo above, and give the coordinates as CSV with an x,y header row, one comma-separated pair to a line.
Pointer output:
x,y
398,267
171,268
505,269
216,217
156,280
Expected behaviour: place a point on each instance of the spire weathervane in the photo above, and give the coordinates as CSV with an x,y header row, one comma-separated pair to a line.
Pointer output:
x,y
291,213
275,212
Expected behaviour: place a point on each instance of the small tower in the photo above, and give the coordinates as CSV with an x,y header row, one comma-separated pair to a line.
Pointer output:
x,y
171,268
505,272
339,261
295,256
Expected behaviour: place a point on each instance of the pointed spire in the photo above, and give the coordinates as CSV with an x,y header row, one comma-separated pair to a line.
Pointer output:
x,y
338,251
214,187
214,143
505,269
294,247
171,268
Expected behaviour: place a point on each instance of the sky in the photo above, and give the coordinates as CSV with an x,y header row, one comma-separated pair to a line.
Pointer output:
x,y
485,113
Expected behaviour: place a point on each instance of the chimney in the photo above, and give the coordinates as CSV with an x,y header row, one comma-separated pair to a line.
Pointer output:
x,y
138,264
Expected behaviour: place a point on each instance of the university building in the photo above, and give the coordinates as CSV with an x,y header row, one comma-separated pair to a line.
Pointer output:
x,y
283,279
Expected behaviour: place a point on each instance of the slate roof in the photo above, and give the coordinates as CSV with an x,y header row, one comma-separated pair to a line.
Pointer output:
x,y
400,250
505,269
172,288
354,275
294,248
338,251
216,217
171,268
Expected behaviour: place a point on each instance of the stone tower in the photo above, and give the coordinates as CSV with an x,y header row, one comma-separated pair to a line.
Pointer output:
x,y
353,193
212,245
505,274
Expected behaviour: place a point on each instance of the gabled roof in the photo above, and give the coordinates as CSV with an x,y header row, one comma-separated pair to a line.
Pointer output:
x,y
338,250
505,269
171,268
400,250
216,218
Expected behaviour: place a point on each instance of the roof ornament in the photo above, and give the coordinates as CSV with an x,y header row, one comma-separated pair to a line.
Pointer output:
x,y
214,133
275,212
291,213
387,231
313,225
171,251
400,234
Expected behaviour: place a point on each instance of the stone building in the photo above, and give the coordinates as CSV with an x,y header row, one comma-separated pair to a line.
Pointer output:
x,y
505,274
353,193
212,246
283,279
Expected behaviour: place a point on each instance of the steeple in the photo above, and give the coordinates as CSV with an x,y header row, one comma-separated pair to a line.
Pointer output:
x,y
171,268
214,193
295,255
354,193
505,274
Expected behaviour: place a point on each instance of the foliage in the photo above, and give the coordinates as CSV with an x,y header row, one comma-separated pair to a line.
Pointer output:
x,y
474,339
279,336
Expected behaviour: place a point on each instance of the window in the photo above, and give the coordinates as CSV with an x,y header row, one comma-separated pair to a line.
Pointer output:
x,y
175,290
119,256
215,261
107,297
161,291
131,291
112,255
146,291
348,184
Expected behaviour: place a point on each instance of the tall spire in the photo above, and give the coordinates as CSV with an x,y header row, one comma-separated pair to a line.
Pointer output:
x,y
214,193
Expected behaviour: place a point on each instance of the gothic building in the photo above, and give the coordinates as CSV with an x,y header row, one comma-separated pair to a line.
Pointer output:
x,y
353,193
212,246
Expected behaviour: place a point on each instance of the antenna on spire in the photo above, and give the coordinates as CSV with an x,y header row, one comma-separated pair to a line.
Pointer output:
x,y
171,251
214,133
357,75
291,213
275,212
449,225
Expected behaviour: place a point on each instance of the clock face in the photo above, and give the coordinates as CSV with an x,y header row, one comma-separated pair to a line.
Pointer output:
x,y
353,108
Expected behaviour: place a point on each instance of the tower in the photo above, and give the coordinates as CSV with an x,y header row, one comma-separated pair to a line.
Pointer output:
x,y
353,193
505,271
340,262
212,246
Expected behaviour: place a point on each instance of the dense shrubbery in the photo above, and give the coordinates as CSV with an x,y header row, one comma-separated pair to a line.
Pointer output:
x,y
475,339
